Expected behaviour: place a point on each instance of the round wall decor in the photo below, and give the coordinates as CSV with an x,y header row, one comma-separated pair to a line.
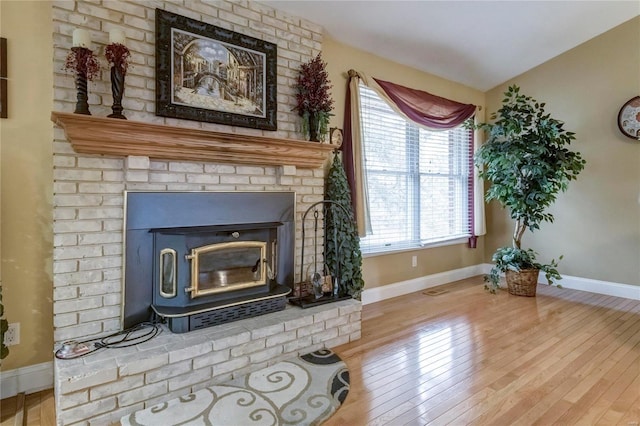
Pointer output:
x,y
629,118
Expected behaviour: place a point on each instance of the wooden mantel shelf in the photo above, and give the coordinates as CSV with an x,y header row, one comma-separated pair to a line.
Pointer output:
x,y
109,136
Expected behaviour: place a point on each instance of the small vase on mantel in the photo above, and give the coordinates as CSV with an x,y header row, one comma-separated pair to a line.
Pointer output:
x,y
314,124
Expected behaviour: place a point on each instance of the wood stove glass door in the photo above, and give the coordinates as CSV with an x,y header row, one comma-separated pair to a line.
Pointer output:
x,y
229,266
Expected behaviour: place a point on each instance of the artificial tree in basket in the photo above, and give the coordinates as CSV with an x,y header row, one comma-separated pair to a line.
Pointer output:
x,y
342,243
527,162
313,100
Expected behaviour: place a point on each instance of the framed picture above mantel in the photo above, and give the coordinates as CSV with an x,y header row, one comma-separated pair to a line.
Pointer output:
x,y
211,74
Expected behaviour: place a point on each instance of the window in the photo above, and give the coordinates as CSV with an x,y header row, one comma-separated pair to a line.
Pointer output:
x,y
419,182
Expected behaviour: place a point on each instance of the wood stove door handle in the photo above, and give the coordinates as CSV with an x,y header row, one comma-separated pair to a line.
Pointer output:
x,y
168,273
274,260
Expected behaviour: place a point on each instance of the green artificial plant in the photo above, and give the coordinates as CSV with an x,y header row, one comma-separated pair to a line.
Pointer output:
x,y
527,162
4,326
342,243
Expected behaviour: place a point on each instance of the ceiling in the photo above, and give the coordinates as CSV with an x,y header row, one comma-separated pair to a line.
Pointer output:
x,y
477,43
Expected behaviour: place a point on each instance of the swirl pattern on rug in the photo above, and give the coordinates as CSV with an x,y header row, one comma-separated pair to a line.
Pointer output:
x,y
301,391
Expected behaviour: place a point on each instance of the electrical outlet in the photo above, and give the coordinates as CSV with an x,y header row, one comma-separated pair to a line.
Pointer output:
x,y
12,336
414,261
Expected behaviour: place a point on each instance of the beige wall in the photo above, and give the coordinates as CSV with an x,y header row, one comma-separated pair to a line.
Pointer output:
x,y
392,268
597,222
597,225
25,146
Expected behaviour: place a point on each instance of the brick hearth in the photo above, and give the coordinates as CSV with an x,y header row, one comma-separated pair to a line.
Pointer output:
x,y
102,387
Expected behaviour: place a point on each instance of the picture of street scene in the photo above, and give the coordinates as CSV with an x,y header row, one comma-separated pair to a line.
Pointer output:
x,y
217,76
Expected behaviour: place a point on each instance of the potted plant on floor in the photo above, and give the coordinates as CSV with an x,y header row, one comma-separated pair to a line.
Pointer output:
x,y
527,162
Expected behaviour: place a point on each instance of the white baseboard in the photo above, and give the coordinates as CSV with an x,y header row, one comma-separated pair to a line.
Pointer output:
x,y
609,288
32,378
377,294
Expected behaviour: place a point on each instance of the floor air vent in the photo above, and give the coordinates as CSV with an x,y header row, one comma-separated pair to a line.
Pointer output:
x,y
435,292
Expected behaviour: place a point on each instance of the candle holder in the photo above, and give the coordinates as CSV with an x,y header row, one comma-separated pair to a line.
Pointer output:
x,y
117,90
82,95
86,66
117,55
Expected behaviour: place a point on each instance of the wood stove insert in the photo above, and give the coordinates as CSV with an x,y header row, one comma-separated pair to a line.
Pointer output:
x,y
214,258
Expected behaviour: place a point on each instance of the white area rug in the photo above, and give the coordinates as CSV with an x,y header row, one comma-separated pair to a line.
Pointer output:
x,y
302,391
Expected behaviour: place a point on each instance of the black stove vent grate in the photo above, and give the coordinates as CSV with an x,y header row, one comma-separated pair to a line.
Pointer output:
x,y
235,313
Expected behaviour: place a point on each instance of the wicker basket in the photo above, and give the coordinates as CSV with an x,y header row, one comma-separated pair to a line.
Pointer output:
x,y
522,283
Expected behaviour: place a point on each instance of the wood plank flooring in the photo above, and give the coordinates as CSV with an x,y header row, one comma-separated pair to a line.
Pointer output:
x,y
462,357
39,410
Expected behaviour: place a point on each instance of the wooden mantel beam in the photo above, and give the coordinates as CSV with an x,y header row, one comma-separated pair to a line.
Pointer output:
x,y
121,138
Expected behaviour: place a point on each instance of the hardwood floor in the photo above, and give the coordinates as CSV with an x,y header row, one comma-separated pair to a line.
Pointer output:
x,y
467,357
39,410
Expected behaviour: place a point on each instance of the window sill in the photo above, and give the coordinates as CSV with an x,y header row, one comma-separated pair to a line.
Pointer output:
x,y
456,241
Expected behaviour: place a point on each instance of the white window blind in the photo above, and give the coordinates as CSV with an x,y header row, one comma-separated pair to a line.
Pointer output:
x,y
419,182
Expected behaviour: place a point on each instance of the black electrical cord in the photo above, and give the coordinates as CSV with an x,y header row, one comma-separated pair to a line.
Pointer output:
x,y
120,339
124,338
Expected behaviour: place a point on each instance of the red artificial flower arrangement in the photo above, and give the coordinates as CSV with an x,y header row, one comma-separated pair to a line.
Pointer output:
x,y
82,61
313,87
118,56
313,100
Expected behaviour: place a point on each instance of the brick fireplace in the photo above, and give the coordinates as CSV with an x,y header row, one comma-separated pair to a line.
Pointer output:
x,y
88,273
89,226
89,188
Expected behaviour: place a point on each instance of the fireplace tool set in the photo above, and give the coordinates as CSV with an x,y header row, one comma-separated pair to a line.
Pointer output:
x,y
318,293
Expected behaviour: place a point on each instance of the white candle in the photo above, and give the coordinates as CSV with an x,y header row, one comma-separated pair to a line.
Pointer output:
x,y
116,35
81,38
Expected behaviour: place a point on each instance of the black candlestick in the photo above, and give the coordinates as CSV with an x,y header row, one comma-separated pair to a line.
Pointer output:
x,y
117,90
82,107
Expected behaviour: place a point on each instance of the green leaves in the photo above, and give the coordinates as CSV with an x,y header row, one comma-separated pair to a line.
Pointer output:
x,y
526,159
342,254
515,259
